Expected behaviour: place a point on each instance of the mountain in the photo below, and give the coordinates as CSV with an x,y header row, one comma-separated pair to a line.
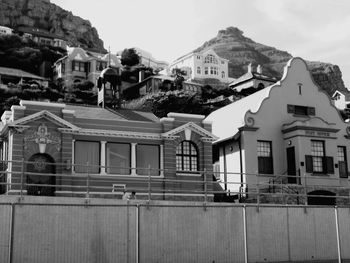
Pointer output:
x,y
231,44
44,15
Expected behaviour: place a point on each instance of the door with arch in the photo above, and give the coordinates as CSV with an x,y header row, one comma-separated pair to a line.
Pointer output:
x,y
40,175
321,197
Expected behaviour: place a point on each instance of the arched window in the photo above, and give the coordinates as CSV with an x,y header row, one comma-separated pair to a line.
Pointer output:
x,y
223,74
206,70
210,59
198,70
186,157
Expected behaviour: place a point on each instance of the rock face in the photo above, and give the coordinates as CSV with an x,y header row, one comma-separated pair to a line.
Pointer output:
x,y
240,51
45,15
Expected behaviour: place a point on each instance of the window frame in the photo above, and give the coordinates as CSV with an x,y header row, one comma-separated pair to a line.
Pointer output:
x,y
340,162
159,160
189,155
129,168
99,155
267,161
321,157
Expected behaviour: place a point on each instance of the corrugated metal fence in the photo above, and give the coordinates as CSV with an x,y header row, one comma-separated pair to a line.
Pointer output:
x,y
171,232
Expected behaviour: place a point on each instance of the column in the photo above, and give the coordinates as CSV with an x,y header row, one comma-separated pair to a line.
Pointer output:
x,y
103,157
161,160
133,158
73,156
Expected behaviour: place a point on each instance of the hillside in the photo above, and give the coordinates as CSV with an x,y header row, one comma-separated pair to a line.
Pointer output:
x,y
44,15
231,44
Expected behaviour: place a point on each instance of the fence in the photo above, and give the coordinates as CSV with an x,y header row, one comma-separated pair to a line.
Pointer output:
x,y
42,229
62,179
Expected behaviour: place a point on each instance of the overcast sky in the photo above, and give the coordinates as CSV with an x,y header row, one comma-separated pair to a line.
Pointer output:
x,y
317,30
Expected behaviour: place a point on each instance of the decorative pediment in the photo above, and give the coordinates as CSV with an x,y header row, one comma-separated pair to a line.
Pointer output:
x,y
21,123
188,128
314,123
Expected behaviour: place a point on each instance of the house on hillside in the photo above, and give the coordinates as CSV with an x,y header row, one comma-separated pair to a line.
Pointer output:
x,y
42,36
80,65
15,76
341,99
288,134
64,148
4,30
252,81
157,83
202,65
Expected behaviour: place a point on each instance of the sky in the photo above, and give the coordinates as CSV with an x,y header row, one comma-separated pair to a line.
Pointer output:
x,y
316,30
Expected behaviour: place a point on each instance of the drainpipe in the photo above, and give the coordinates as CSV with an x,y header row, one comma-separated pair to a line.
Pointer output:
x,y
240,159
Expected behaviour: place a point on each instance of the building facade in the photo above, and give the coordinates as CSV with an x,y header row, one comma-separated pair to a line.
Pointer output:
x,y
202,65
252,81
288,134
5,30
80,65
122,149
41,36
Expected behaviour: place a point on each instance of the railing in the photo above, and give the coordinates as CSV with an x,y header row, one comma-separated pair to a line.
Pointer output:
x,y
59,179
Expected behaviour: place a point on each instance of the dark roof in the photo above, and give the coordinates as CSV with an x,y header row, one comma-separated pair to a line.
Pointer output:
x,y
94,112
252,75
18,73
38,32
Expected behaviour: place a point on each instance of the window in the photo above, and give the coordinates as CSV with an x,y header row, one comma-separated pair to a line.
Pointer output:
x,y
198,57
265,162
205,70
223,74
78,66
342,162
317,152
86,152
210,59
118,159
186,157
301,110
222,62
147,156
101,65
318,162
213,70
198,70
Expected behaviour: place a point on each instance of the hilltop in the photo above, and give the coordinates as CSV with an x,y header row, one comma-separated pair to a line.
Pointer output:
x,y
230,43
44,15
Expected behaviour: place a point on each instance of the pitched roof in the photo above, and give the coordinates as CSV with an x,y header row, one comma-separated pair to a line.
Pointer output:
x,y
18,73
38,32
87,112
230,118
252,75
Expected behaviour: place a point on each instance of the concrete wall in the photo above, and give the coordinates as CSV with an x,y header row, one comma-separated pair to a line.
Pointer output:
x,y
71,230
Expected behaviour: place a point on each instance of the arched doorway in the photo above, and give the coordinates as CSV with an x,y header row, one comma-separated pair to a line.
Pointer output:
x,y
321,197
41,164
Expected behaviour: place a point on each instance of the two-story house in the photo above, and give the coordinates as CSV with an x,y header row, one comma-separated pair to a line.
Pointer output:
x,y
81,65
288,134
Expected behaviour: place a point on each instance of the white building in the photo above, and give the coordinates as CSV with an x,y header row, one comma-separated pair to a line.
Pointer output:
x,y
288,129
202,65
5,30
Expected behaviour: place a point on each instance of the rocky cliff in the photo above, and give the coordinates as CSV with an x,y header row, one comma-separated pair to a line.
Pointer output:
x,y
45,15
240,51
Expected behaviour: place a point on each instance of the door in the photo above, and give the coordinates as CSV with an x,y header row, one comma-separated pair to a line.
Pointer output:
x,y
40,171
291,168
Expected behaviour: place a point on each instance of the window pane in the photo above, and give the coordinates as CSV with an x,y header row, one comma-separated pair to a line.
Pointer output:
x,y
186,157
147,155
118,158
87,152
264,149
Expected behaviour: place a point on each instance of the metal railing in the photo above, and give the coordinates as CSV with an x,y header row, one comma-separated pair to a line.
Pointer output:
x,y
60,179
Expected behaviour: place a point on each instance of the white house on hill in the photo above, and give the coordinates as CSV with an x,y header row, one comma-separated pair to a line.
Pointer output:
x,y
202,65
290,128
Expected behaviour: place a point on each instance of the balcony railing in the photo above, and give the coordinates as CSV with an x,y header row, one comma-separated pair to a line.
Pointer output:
x,y
59,179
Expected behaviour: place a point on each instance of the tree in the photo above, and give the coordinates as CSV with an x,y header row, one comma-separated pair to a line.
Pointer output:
x,y
179,78
130,57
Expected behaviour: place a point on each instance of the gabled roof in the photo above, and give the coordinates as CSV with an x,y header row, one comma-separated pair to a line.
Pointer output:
x,y
193,127
251,75
18,73
44,114
343,92
237,111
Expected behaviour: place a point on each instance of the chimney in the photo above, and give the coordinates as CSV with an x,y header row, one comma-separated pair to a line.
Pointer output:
x,y
259,69
250,68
